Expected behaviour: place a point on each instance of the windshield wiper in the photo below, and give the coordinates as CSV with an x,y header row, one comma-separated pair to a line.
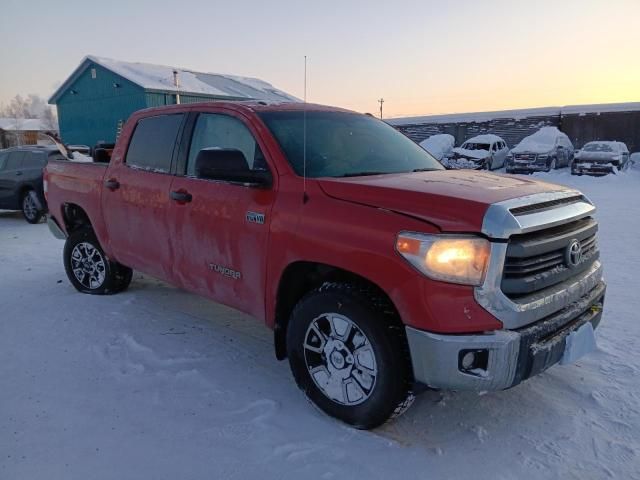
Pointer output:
x,y
362,174
425,169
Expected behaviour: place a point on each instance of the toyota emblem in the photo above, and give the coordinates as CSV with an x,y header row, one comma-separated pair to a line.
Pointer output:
x,y
573,254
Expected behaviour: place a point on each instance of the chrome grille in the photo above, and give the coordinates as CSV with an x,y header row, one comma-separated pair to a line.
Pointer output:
x,y
541,259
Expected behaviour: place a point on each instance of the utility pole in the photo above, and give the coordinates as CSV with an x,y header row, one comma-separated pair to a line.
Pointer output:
x,y
381,101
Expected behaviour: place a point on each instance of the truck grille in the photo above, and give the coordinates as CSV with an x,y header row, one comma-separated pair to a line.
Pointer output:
x,y
545,258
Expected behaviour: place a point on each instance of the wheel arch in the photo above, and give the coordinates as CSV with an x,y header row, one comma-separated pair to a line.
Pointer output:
x,y
75,217
299,278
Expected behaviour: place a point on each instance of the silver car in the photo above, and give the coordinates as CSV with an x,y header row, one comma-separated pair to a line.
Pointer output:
x,y
482,152
600,158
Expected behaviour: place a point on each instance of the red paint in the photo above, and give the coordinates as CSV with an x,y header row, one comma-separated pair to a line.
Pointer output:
x,y
348,223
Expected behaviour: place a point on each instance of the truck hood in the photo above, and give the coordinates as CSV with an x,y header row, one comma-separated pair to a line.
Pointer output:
x,y
453,200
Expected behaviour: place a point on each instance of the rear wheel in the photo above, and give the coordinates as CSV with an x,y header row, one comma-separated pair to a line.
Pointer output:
x,y
88,268
31,207
349,355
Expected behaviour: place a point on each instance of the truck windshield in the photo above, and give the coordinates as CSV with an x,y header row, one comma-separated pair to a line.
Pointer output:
x,y
343,144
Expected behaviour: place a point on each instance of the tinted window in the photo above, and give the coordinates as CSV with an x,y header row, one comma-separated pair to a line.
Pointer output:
x,y
3,159
345,144
153,142
15,160
222,131
34,160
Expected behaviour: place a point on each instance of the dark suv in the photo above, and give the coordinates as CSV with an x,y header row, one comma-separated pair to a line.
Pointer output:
x,y
21,179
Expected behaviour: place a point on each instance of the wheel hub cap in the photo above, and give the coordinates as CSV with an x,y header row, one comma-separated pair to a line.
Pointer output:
x,y
88,265
340,359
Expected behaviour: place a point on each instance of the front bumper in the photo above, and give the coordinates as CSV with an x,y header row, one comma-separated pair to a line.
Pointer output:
x,y
511,355
526,167
596,169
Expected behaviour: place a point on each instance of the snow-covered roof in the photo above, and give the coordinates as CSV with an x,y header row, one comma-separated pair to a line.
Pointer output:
x,y
539,142
517,114
484,138
27,124
161,78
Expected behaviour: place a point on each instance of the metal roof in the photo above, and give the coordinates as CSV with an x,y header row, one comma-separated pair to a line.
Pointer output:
x,y
160,78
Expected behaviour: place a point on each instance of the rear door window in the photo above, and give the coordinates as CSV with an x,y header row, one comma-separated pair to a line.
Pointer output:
x,y
153,142
14,161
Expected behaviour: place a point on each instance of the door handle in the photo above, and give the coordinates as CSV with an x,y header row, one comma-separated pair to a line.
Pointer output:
x,y
112,184
18,173
181,196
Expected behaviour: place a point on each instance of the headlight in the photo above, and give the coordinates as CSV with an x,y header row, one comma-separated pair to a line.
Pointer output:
x,y
616,157
449,258
542,157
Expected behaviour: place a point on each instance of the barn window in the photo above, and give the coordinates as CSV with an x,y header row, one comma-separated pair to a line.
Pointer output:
x,y
93,73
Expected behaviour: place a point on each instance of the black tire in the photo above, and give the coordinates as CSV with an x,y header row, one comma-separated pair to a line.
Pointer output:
x,y
107,277
553,164
390,393
29,204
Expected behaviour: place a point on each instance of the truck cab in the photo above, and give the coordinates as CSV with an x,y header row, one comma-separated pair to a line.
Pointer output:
x,y
379,271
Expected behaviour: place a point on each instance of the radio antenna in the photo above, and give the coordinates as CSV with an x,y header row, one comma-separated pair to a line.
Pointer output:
x,y
304,137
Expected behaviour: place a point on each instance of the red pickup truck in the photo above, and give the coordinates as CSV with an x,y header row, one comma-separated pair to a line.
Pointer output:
x,y
379,271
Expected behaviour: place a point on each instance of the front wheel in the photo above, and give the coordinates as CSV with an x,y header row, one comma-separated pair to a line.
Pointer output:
x,y
553,164
88,268
32,211
348,354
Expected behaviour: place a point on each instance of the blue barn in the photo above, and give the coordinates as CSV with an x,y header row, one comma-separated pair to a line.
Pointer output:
x,y
98,97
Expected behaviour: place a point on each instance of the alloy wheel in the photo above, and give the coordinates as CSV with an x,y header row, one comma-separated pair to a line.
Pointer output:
x,y
88,265
340,359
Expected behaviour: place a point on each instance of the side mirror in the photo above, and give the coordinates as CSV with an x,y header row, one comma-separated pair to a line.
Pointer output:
x,y
101,155
229,164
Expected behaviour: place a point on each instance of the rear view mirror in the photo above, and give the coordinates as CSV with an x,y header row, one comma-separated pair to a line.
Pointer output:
x,y
229,164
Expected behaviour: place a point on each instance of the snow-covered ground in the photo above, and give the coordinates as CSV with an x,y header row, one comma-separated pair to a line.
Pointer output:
x,y
156,383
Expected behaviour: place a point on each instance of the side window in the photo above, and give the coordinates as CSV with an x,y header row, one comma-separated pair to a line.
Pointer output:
x,y
215,130
34,160
153,141
14,161
495,147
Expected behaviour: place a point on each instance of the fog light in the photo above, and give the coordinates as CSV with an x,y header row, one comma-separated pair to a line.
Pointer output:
x,y
468,360
474,362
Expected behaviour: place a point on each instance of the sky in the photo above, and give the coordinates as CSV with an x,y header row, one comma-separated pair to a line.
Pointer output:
x,y
422,57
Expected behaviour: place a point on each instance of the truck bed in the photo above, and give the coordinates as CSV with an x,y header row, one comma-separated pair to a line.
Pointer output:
x,y
79,183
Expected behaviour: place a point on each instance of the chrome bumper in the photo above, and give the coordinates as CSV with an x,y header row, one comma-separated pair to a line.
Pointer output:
x,y
55,229
513,355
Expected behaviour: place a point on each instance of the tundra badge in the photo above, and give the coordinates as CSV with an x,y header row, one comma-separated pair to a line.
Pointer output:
x,y
225,271
253,217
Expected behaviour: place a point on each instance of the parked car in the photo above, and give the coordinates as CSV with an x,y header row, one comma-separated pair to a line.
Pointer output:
x,y
378,270
600,158
439,145
545,150
21,179
483,152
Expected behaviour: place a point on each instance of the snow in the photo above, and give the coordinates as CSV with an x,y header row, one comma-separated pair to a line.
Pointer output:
x,y
156,383
517,114
440,145
540,142
161,78
484,138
